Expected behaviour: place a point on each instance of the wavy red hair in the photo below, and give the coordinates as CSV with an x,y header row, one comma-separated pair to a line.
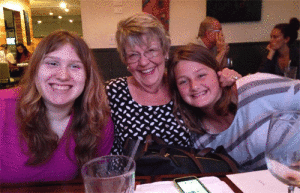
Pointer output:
x,y
90,110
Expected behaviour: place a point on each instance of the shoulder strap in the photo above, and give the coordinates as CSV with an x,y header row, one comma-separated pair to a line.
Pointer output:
x,y
231,163
206,151
193,157
164,147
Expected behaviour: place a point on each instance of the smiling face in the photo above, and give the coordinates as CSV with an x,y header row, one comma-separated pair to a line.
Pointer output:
x,y
277,39
197,84
149,69
61,77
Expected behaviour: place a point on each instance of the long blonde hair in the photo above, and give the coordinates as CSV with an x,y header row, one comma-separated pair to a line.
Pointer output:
x,y
90,110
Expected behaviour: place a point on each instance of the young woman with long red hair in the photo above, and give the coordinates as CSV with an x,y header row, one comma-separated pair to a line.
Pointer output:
x,y
58,118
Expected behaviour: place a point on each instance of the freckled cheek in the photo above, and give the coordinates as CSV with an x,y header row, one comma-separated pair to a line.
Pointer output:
x,y
183,91
45,73
215,81
210,83
79,77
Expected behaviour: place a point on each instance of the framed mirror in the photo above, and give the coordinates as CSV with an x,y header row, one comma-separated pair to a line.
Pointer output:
x,y
27,28
51,15
10,29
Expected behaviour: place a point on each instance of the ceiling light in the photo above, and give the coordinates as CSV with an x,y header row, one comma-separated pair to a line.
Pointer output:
x,y
50,13
63,5
66,10
71,20
39,21
59,17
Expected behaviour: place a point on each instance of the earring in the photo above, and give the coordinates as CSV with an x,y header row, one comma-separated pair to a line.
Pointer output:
x,y
167,58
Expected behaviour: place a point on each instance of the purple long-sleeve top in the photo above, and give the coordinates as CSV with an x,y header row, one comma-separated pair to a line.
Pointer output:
x,y
62,164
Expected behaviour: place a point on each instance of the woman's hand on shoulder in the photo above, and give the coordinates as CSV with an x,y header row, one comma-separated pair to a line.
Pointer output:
x,y
228,77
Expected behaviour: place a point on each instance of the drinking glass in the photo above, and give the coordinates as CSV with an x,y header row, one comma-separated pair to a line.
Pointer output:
x,y
112,173
229,63
283,148
291,72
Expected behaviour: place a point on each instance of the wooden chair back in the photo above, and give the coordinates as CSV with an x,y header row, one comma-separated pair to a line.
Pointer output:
x,y
4,73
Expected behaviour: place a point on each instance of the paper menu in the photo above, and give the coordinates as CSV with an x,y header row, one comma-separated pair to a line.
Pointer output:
x,y
214,184
258,182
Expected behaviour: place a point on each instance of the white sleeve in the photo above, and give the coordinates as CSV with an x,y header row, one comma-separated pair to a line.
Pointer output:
x,y
10,58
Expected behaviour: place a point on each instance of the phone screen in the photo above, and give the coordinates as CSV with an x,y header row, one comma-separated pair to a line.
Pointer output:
x,y
191,185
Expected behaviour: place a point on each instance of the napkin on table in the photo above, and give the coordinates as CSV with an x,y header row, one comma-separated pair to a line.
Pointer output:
x,y
213,184
259,181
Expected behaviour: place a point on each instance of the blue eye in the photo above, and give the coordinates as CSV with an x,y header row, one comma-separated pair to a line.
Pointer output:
x,y
152,53
132,56
51,63
75,66
182,82
201,75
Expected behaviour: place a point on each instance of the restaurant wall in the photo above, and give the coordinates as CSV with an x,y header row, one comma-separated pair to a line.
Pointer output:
x,y
273,12
99,22
100,18
16,5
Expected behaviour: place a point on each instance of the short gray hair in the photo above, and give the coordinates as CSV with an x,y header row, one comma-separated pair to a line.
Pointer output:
x,y
131,30
205,25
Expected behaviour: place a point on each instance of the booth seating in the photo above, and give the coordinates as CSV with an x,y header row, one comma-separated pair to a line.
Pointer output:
x,y
247,58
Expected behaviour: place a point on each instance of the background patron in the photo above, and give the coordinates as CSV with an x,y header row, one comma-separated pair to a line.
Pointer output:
x,y
282,51
23,55
6,56
211,36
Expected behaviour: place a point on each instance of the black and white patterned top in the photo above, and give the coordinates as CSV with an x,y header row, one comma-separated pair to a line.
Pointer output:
x,y
132,120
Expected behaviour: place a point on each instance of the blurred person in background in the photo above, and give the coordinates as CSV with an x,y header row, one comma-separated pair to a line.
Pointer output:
x,y
23,55
282,50
6,56
211,36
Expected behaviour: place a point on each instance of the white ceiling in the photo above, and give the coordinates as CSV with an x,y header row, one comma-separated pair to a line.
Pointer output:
x,y
43,7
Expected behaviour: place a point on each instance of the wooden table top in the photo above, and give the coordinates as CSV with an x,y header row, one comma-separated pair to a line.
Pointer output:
x,y
76,185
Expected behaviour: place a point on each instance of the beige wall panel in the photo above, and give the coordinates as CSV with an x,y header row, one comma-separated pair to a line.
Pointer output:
x,y
99,20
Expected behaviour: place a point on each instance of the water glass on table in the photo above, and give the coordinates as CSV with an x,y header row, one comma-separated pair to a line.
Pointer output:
x,y
291,72
229,63
283,148
112,173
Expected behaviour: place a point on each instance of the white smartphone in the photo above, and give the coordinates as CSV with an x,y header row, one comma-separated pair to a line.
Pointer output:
x,y
190,184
